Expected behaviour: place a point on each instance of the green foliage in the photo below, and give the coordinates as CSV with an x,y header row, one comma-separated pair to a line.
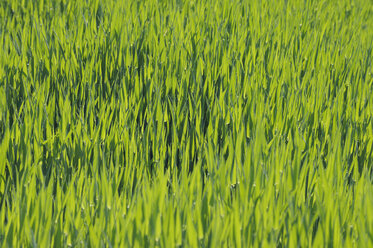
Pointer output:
x,y
186,123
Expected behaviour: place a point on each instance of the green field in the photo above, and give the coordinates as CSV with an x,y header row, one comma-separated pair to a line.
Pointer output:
x,y
212,123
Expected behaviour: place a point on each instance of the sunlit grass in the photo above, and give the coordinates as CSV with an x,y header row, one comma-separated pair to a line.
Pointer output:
x,y
186,123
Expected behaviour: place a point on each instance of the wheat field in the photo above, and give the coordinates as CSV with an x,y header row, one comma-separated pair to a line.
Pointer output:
x,y
181,123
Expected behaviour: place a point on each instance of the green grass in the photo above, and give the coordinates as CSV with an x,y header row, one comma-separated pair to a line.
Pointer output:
x,y
186,123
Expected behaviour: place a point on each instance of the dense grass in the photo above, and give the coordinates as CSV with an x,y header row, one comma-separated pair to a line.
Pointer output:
x,y
192,123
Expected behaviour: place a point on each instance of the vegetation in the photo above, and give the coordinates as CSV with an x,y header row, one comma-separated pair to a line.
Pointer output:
x,y
186,123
